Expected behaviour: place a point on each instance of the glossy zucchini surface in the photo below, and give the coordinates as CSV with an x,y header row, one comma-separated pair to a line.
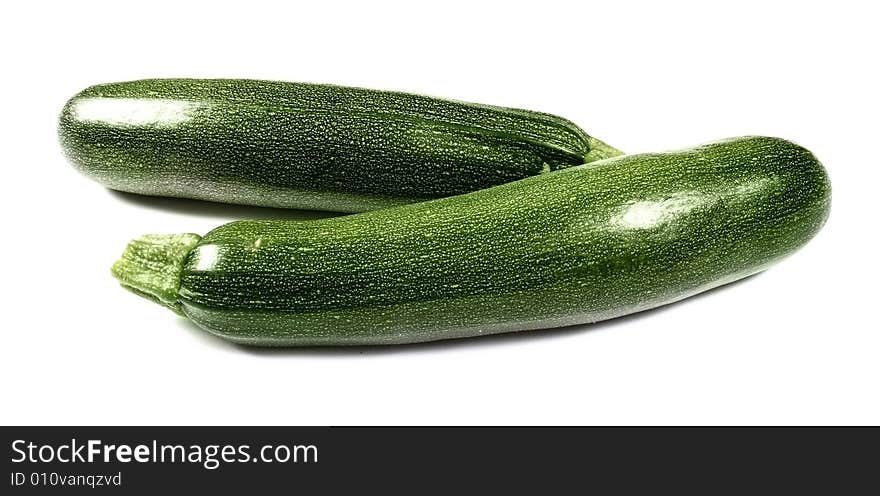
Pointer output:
x,y
308,146
578,245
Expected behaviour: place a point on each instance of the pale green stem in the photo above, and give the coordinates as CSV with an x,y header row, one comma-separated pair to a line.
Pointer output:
x,y
600,150
151,266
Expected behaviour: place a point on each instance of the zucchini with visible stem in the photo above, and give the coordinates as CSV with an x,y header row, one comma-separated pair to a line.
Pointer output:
x,y
308,146
576,246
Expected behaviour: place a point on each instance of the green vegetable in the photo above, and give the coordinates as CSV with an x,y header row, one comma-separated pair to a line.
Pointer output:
x,y
307,146
578,245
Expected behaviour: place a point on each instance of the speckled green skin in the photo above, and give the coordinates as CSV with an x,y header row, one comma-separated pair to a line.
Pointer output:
x,y
307,146
574,246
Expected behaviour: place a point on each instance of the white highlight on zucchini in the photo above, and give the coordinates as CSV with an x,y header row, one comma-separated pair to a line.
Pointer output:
x,y
754,186
205,257
134,111
648,214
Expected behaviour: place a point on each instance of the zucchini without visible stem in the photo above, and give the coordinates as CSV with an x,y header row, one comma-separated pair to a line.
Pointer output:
x,y
576,246
309,146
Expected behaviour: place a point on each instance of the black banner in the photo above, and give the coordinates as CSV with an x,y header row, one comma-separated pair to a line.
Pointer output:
x,y
136,460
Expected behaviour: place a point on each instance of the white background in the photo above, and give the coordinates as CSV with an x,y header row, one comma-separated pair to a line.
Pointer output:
x,y
798,344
